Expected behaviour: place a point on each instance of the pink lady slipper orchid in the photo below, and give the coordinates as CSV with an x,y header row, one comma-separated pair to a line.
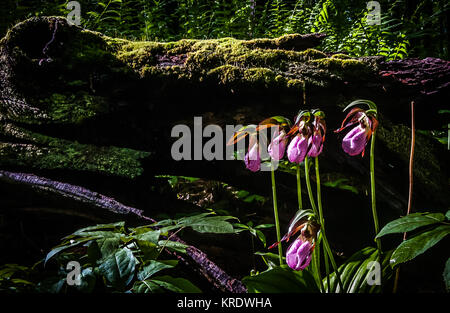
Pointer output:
x,y
252,158
299,253
298,147
355,141
277,147
258,141
315,142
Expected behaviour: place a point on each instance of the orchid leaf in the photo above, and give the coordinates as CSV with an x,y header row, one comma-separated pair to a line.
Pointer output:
x,y
411,222
355,272
411,248
281,279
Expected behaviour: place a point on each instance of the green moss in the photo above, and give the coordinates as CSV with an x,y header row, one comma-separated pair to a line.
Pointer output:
x,y
295,83
340,56
349,67
73,108
227,60
43,152
226,74
260,76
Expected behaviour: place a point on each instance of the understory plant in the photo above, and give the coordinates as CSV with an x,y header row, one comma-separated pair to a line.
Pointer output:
x,y
370,268
301,142
115,258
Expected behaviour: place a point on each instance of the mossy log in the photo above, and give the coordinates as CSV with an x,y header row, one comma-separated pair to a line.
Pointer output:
x,y
94,111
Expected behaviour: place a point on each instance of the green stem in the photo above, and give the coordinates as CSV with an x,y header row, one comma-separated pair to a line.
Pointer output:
x,y
316,260
322,224
327,268
333,263
316,253
275,213
308,186
299,188
372,188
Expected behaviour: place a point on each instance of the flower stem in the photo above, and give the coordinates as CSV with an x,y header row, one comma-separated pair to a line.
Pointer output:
x,y
322,224
316,252
316,269
372,188
299,188
327,268
308,186
275,213
411,172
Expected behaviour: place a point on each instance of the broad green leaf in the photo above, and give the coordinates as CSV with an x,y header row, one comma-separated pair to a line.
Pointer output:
x,y
447,215
175,284
446,275
208,224
418,244
146,286
108,246
261,236
152,236
100,234
64,247
148,249
118,268
411,222
87,279
154,267
173,245
281,279
114,226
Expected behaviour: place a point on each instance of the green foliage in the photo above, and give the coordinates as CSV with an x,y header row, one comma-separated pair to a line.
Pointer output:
x,y
411,222
421,241
418,244
281,279
246,196
202,223
14,278
357,269
255,231
116,258
407,29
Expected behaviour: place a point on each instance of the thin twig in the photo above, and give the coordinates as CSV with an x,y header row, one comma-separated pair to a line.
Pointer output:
x,y
411,162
